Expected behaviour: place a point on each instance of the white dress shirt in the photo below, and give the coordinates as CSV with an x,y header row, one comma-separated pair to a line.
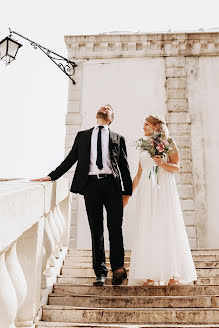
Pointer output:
x,y
105,151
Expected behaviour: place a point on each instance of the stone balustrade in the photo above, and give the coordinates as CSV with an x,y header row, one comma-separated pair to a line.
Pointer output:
x,y
34,237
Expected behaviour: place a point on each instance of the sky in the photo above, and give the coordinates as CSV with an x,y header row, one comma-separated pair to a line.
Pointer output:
x,y
33,91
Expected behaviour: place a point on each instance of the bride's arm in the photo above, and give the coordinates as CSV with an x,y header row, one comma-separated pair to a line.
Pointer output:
x,y
137,178
173,165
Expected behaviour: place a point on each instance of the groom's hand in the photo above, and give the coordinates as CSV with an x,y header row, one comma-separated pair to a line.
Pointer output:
x,y
125,199
47,178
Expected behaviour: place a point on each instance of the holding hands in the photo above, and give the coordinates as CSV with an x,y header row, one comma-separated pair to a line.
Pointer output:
x,y
125,199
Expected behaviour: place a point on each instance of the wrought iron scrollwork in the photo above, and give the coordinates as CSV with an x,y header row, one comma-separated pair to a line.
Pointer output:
x,y
67,66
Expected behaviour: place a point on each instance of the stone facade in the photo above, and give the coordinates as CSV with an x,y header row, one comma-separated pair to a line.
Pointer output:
x,y
176,57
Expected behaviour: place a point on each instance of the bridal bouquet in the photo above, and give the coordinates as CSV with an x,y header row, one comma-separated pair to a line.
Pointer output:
x,y
156,144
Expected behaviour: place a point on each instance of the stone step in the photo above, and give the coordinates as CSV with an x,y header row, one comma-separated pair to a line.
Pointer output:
x,y
88,264
88,259
198,264
43,324
88,272
109,290
82,280
207,281
88,252
88,280
205,251
62,313
85,259
97,301
82,252
206,257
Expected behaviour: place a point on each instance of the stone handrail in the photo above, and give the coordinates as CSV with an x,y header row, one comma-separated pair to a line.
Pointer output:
x,y
34,236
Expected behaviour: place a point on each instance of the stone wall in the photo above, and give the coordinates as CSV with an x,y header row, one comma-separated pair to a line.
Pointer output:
x,y
152,73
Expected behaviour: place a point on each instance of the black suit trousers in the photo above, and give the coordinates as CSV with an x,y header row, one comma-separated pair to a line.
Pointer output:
x,y
99,194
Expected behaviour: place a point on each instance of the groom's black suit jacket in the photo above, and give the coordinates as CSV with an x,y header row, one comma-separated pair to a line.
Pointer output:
x,y
81,152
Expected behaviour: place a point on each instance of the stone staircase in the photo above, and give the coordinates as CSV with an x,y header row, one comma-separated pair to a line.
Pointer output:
x,y
75,302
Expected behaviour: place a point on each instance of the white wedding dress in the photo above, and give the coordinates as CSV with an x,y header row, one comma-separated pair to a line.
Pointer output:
x,y
161,248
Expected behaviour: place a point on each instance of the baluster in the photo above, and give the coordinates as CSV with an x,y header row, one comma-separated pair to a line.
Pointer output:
x,y
49,245
55,233
59,226
8,298
16,273
61,217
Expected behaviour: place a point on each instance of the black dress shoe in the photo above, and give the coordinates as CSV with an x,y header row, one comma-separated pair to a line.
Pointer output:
x,y
100,281
118,276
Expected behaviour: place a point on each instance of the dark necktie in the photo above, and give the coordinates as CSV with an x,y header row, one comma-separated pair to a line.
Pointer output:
x,y
99,161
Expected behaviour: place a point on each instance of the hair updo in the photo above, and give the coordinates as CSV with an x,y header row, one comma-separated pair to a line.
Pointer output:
x,y
162,126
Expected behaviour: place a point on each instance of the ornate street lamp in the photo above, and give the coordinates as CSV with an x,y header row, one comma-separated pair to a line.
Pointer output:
x,y
9,48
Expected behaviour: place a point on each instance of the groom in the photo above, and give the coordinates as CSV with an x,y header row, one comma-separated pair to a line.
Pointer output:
x,y
101,159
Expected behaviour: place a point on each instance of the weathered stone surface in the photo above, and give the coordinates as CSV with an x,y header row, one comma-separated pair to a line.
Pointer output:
x,y
208,272
152,316
176,83
185,191
43,324
88,272
206,257
214,281
131,301
207,264
178,118
88,259
139,45
175,61
179,129
184,178
88,252
177,105
185,154
175,72
182,140
87,264
176,94
193,243
186,166
109,290
187,204
191,231
189,217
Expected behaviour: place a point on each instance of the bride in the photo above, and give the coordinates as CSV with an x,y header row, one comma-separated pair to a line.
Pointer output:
x,y
161,252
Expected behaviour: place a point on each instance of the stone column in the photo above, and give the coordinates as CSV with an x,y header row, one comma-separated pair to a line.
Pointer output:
x,y
73,125
179,123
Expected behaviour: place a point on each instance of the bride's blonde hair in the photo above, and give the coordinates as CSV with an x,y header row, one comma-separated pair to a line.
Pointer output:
x,y
162,126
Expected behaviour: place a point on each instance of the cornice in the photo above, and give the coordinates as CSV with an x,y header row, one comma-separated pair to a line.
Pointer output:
x,y
142,45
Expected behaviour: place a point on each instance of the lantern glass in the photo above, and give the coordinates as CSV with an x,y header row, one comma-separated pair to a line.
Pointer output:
x,y
9,49
3,47
12,48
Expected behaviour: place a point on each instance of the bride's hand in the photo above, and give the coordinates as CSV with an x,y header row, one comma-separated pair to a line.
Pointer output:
x,y
125,199
158,160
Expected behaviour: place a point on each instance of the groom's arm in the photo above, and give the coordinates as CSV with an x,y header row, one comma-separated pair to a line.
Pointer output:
x,y
68,162
124,168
